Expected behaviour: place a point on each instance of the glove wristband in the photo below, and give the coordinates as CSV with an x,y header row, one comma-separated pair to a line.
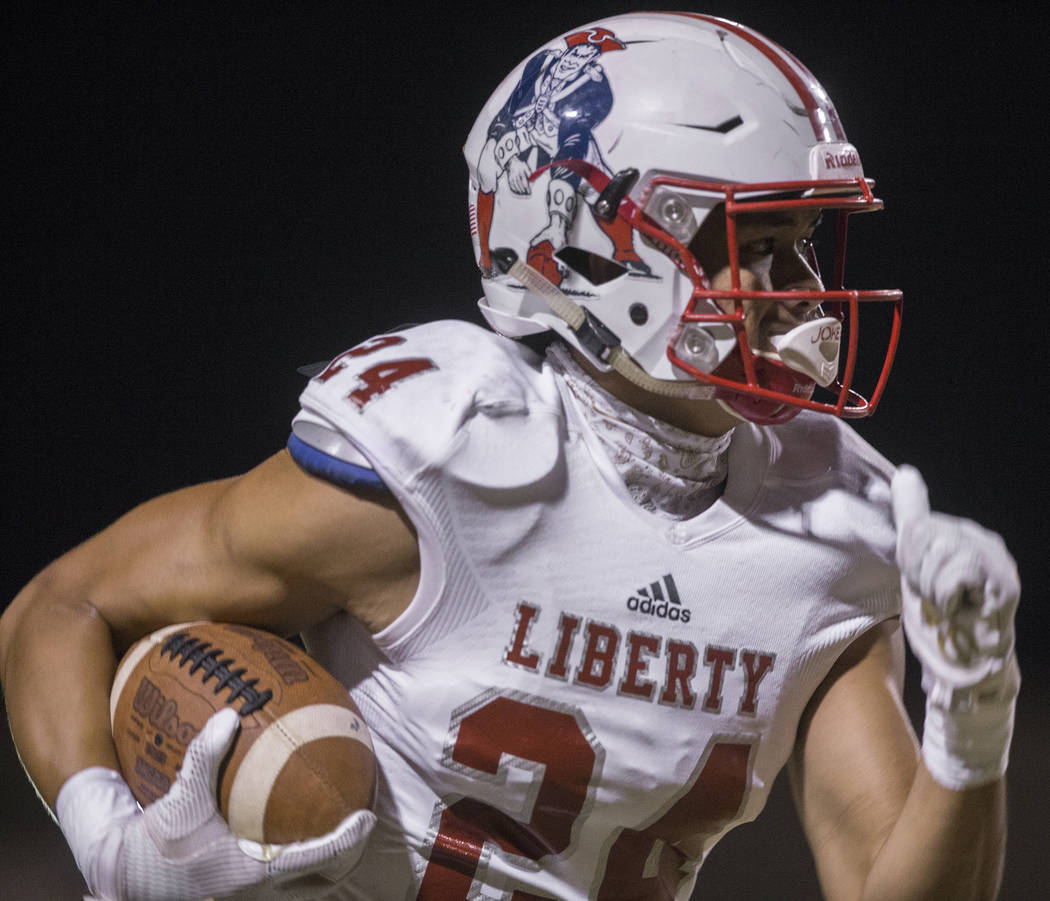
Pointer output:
x,y
968,745
89,804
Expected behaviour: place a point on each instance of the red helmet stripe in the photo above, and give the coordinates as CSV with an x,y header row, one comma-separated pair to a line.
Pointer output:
x,y
821,112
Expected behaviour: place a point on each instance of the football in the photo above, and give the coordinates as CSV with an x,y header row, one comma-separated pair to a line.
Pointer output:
x,y
302,759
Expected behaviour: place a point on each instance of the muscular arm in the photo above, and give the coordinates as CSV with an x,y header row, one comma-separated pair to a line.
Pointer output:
x,y
274,548
880,827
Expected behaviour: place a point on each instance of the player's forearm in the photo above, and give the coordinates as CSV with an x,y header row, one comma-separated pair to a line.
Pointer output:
x,y
56,664
946,844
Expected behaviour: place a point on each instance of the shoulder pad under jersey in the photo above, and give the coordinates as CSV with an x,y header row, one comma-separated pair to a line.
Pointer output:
x,y
813,446
820,466
447,395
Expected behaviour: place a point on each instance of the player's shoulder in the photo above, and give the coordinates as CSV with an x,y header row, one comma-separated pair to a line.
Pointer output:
x,y
441,391
811,456
820,465
813,446
450,352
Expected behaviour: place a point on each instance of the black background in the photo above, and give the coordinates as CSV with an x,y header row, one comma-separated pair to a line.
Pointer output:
x,y
205,196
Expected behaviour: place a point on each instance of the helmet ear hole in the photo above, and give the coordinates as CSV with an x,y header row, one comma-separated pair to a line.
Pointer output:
x,y
592,266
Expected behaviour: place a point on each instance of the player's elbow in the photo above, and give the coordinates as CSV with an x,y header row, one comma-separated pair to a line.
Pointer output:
x,y
7,627
49,603
15,620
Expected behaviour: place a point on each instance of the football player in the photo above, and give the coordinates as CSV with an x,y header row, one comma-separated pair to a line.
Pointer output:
x,y
595,577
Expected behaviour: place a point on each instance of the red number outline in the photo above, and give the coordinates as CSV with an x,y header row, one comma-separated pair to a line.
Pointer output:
x,y
554,742
496,731
360,350
378,379
638,860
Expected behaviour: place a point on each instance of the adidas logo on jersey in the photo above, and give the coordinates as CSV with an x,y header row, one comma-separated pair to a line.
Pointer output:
x,y
660,599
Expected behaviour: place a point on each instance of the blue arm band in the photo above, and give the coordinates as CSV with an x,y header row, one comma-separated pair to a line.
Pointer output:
x,y
332,469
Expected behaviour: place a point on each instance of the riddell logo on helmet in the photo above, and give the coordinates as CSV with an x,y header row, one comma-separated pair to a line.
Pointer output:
x,y
846,159
653,601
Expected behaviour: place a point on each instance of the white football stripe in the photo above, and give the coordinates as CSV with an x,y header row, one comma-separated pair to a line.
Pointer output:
x,y
129,663
265,759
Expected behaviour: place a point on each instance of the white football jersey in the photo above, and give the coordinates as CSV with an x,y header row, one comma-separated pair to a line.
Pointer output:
x,y
582,697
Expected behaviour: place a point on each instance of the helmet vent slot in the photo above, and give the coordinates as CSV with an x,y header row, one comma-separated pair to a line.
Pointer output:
x,y
595,268
723,128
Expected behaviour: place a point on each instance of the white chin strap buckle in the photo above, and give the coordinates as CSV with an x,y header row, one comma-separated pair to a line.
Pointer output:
x,y
812,348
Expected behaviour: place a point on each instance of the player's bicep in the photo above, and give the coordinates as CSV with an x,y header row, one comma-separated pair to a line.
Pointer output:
x,y
308,541
854,760
152,566
275,547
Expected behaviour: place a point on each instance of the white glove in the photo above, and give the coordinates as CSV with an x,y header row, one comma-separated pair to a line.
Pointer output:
x,y
960,592
180,847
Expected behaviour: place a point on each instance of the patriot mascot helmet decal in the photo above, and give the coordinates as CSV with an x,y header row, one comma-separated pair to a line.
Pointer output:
x,y
550,116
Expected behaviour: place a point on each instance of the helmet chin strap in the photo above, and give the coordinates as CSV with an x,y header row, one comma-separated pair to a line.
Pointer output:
x,y
592,334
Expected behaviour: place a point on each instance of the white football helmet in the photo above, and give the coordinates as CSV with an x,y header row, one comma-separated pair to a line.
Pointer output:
x,y
652,121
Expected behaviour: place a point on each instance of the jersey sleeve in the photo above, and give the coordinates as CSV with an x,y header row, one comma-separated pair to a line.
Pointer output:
x,y
334,468
447,395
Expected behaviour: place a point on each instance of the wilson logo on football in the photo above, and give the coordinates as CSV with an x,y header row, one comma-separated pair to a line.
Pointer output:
x,y
660,599
162,713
